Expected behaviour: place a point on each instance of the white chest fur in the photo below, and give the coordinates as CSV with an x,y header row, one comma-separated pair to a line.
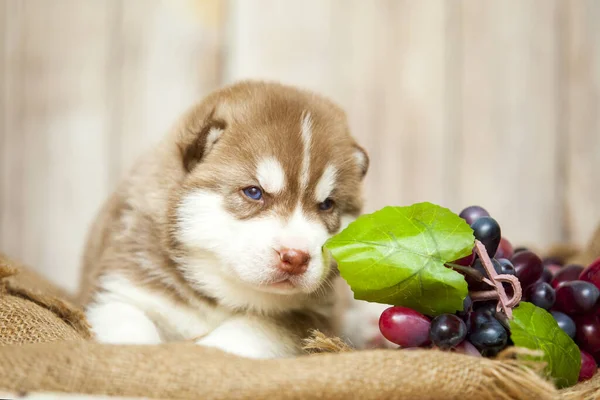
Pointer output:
x,y
127,313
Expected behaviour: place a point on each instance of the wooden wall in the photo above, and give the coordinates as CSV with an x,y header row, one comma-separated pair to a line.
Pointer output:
x,y
494,102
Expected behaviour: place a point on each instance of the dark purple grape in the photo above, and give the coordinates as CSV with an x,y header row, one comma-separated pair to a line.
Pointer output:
x,y
466,311
576,297
592,273
501,266
473,213
486,307
528,267
567,273
447,330
488,232
475,285
505,249
565,323
467,304
488,337
506,267
503,319
479,317
486,312
404,326
541,294
588,367
467,318
546,276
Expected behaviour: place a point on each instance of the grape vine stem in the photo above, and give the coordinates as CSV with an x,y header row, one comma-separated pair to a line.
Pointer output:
x,y
495,280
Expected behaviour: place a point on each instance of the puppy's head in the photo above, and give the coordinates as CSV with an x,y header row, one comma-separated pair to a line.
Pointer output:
x,y
269,174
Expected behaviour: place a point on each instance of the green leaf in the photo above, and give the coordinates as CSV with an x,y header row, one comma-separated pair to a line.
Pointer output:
x,y
535,328
396,256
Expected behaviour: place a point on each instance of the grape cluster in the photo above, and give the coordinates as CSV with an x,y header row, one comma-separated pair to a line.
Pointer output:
x,y
571,293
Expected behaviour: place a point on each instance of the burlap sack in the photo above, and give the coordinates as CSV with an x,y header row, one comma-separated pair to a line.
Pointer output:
x,y
570,253
31,312
187,371
53,356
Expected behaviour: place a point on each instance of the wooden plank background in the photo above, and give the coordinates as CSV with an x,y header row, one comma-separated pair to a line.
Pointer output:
x,y
493,102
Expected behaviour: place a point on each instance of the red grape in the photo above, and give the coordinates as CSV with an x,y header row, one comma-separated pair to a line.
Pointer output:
x,y
588,333
505,249
467,348
404,326
447,330
473,213
553,268
576,297
541,294
488,232
552,261
528,267
465,261
592,273
566,274
520,249
588,366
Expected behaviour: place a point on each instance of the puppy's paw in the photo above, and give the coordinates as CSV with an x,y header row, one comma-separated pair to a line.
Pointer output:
x,y
361,326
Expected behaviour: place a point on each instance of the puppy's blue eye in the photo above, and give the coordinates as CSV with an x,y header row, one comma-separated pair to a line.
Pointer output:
x,y
253,192
326,205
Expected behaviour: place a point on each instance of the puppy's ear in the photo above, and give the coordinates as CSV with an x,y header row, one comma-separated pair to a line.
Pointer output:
x,y
199,135
362,159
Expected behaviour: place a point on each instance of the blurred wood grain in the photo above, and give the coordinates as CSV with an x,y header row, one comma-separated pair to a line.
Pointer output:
x,y
56,121
508,156
580,102
457,102
87,86
383,61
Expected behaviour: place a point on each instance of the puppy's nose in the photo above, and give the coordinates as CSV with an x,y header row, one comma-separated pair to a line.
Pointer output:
x,y
293,261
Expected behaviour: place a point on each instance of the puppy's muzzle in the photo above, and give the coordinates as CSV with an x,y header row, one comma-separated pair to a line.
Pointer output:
x,y
293,261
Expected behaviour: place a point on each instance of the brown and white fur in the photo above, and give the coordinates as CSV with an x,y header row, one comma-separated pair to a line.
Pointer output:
x,y
181,252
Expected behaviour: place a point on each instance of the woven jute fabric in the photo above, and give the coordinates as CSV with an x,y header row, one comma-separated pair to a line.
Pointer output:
x,y
31,313
187,371
570,253
45,350
588,390
30,280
